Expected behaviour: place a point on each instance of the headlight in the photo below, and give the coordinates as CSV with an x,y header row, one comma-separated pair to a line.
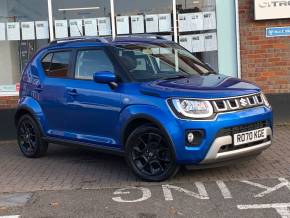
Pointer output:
x,y
265,100
192,108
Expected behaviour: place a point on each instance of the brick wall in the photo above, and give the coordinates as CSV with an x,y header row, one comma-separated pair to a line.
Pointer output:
x,y
8,102
265,61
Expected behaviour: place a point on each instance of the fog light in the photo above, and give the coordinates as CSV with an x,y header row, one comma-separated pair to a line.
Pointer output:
x,y
194,137
190,137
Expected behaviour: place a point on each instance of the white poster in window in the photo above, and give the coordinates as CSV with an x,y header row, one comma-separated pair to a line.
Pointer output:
x,y
137,24
151,23
2,31
182,22
209,20
13,31
76,27
28,30
165,23
197,43
61,30
122,25
210,42
104,26
185,41
91,27
41,28
195,21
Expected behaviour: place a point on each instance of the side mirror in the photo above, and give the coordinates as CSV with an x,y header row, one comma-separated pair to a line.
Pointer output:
x,y
106,77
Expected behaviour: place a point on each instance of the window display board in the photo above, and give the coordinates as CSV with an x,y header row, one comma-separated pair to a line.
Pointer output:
x,y
2,31
209,20
151,23
28,30
61,30
13,31
104,26
41,28
164,22
197,43
190,22
122,23
210,42
137,24
76,27
90,25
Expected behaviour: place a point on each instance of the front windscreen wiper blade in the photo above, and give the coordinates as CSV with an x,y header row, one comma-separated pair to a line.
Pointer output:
x,y
209,73
174,77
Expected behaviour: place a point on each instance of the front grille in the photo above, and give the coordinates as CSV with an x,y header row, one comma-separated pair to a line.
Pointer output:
x,y
238,103
242,128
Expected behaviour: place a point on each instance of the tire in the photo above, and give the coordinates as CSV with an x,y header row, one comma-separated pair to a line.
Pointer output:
x,y
29,138
150,154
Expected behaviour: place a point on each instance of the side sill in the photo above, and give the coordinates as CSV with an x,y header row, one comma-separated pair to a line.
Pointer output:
x,y
94,147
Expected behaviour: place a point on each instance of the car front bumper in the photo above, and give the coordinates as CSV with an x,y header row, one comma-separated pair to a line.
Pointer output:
x,y
210,151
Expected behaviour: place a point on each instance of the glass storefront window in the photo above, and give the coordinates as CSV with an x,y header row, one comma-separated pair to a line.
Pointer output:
x,y
140,17
197,29
81,18
23,29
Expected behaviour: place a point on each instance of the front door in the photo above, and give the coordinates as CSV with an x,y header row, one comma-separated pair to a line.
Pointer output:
x,y
93,109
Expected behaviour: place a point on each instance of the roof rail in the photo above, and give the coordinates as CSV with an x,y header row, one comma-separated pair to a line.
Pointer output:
x,y
143,35
79,38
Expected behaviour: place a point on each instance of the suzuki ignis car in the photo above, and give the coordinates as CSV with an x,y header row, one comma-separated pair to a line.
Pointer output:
x,y
142,97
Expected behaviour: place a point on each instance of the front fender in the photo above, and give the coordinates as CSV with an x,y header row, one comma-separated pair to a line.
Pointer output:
x,y
33,107
161,118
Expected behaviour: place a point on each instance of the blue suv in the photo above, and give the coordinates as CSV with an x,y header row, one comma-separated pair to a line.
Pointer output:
x,y
145,98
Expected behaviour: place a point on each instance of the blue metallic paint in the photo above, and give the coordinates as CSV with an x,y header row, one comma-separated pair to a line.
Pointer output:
x,y
98,115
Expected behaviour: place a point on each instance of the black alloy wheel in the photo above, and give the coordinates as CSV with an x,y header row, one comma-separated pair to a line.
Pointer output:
x,y
150,155
29,138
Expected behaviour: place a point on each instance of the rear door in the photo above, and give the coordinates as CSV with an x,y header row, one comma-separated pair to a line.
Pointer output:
x,y
93,108
52,90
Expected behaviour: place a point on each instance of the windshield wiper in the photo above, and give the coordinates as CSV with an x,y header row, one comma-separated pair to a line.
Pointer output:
x,y
174,77
209,73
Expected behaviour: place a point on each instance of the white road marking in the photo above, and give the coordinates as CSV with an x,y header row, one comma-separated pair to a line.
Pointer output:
x,y
283,209
224,189
283,183
146,194
202,193
12,216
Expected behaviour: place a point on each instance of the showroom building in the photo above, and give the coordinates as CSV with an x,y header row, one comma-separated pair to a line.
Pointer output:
x,y
249,39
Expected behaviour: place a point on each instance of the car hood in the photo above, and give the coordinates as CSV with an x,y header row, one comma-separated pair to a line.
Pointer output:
x,y
211,86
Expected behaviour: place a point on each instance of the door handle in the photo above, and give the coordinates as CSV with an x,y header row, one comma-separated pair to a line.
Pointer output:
x,y
72,92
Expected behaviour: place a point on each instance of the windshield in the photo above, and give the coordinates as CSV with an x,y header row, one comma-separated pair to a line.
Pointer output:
x,y
149,62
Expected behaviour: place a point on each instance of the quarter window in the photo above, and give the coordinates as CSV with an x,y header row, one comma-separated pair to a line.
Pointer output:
x,y
57,64
91,61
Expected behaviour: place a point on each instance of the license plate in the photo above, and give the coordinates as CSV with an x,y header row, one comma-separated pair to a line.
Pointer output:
x,y
250,136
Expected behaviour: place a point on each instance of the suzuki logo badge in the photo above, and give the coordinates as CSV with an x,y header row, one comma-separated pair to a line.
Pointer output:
x,y
243,102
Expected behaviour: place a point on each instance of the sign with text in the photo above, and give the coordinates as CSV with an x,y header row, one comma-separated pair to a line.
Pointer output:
x,y
91,27
76,27
278,31
137,24
42,31
60,29
122,25
13,31
28,30
271,9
